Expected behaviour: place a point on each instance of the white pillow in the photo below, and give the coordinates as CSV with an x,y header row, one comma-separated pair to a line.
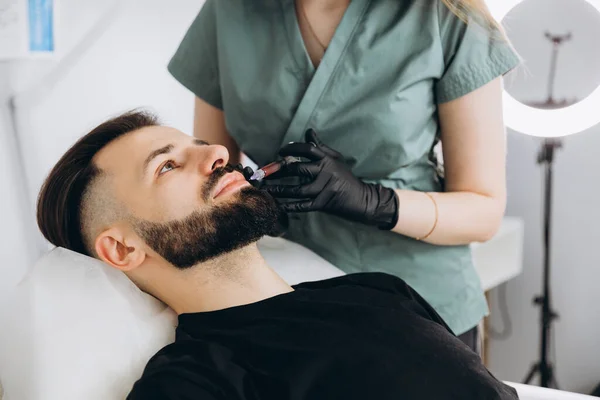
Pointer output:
x,y
80,329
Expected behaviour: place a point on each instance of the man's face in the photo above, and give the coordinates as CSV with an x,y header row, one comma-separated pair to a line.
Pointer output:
x,y
185,201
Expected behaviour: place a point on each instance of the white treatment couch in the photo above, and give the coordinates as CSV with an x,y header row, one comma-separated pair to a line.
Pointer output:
x,y
528,392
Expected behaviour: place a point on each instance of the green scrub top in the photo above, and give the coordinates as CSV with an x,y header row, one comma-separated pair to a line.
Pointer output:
x,y
373,98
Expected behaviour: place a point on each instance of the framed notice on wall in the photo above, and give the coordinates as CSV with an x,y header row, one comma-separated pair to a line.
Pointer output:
x,y
27,28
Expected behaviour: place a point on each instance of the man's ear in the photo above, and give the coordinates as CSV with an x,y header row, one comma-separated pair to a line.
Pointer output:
x,y
119,251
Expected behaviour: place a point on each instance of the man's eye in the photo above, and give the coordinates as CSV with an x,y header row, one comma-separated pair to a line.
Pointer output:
x,y
168,166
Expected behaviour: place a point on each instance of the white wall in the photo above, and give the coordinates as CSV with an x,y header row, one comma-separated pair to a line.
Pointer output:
x,y
576,219
126,68
14,218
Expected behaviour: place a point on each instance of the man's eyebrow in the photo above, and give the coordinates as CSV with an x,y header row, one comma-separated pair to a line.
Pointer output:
x,y
163,150
167,149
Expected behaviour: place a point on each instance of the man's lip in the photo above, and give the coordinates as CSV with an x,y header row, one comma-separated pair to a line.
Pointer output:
x,y
229,179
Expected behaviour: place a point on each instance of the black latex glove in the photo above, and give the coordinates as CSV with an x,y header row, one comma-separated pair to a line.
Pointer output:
x,y
247,172
332,187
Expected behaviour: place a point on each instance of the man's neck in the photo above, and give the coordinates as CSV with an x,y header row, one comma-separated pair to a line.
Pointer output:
x,y
238,278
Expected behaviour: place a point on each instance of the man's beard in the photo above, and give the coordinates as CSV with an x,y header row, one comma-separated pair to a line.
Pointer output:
x,y
222,228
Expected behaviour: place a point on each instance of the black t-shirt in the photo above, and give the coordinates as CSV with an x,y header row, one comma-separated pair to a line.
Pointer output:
x,y
361,336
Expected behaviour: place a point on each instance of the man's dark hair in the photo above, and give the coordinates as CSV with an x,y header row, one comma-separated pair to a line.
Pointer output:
x,y
59,202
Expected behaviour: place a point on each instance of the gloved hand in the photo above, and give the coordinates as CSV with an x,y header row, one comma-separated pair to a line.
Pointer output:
x,y
332,187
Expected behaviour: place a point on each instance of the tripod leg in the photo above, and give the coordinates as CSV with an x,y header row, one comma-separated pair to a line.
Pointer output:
x,y
531,373
553,383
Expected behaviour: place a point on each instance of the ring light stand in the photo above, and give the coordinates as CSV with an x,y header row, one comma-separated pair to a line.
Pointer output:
x,y
546,158
550,120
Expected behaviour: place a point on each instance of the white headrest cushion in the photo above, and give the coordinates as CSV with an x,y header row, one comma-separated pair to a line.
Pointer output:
x,y
79,329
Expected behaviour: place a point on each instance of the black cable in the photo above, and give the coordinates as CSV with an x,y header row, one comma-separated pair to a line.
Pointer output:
x,y
505,316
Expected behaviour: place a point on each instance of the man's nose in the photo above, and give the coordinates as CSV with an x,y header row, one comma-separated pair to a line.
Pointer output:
x,y
215,156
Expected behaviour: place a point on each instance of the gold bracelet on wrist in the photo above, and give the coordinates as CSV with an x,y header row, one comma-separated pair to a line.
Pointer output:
x,y
436,217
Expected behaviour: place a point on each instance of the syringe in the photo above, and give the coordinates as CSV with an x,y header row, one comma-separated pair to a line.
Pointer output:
x,y
273,167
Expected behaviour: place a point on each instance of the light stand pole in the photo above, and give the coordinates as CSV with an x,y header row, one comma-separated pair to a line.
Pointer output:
x,y
546,158
547,315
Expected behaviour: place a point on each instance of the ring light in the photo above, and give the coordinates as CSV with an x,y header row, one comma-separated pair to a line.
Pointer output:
x,y
547,123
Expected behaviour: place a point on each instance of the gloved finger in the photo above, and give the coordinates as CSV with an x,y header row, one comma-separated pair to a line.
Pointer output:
x,y
293,191
302,169
298,206
311,137
300,149
247,172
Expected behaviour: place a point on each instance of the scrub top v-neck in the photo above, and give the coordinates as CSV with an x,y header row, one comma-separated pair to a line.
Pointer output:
x,y
324,72
373,97
315,47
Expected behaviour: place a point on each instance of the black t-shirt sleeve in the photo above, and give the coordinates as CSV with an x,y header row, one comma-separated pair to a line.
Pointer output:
x,y
172,386
182,371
